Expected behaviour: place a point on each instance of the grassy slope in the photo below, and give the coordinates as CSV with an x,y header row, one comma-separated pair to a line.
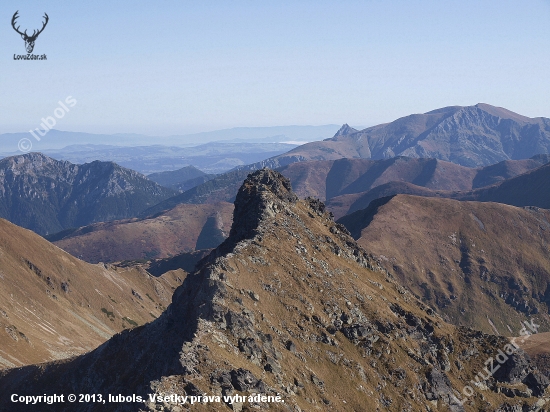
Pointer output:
x,y
168,234
53,306
467,258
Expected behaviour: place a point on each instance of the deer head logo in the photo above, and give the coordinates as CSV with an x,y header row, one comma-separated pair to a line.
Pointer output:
x,y
29,40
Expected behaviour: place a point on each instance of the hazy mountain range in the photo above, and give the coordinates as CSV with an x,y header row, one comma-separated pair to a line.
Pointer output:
x,y
471,136
57,139
215,157
46,195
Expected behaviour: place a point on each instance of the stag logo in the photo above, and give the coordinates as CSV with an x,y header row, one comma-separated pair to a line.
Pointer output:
x,y
29,40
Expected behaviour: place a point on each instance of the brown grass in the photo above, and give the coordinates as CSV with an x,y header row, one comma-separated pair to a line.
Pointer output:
x,y
464,257
53,306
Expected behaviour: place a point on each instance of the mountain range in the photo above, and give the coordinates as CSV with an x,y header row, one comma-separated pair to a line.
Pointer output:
x,y
438,262
289,306
471,136
47,196
349,184
528,189
51,201
58,139
343,182
214,157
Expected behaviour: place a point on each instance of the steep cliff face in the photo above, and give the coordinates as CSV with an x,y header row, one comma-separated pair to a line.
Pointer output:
x,y
290,307
47,196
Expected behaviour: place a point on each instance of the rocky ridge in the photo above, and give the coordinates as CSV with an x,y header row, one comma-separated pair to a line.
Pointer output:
x,y
47,195
289,305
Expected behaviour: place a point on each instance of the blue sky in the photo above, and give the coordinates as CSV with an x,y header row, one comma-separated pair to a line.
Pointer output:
x,y
171,67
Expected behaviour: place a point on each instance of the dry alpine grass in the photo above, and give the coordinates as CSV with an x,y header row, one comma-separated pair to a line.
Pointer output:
x,y
483,265
288,305
182,229
54,306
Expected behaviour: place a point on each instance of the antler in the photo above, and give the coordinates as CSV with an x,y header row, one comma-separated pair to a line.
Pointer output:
x,y
13,19
43,26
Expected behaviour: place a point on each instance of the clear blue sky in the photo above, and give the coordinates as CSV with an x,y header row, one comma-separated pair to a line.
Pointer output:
x,y
170,67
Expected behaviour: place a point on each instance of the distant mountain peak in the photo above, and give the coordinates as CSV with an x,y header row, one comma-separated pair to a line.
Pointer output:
x,y
503,113
48,195
471,136
345,130
28,157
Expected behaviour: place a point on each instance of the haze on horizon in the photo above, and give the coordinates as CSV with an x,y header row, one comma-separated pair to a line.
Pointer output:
x,y
180,67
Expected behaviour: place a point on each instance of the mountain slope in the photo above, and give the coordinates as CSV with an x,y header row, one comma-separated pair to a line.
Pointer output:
x,y
288,306
46,195
327,179
53,306
175,178
184,228
342,182
484,265
471,136
531,188
528,189
344,205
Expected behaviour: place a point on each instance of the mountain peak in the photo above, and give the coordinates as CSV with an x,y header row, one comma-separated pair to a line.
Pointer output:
x,y
77,195
345,130
264,193
502,112
32,158
267,180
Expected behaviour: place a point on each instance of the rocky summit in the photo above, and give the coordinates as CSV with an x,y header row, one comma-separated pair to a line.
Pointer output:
x,y
290,314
